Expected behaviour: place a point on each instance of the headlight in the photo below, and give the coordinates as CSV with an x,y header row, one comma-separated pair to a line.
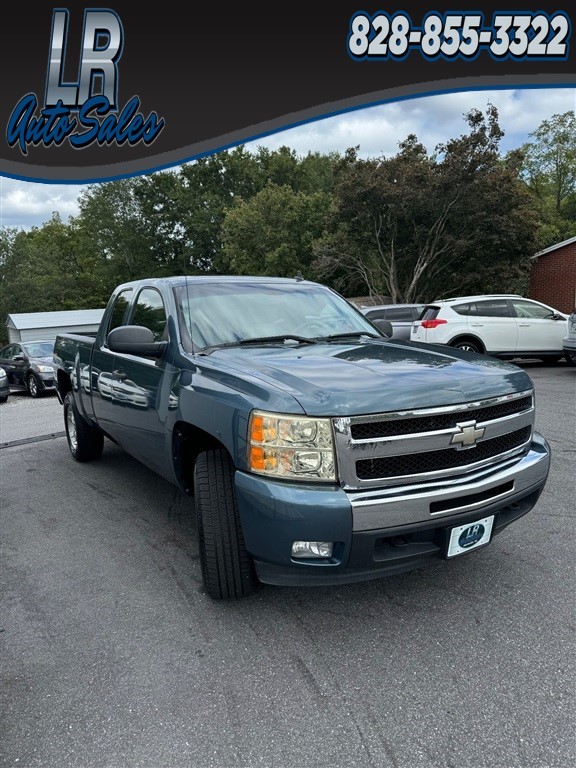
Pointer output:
x,y
45,368
291,446
3,374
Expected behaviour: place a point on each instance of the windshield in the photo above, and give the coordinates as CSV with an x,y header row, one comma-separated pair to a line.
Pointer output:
x,y
40,348
230,313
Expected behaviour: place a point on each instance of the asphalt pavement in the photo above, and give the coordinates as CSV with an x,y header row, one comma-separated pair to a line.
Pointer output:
x,y
112,656
24,419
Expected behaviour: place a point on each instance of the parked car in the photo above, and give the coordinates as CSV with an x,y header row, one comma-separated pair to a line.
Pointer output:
x,y
4,386
29,366
401,316
502,325
569,341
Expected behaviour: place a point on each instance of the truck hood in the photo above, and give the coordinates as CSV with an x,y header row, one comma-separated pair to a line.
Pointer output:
x,y
329,379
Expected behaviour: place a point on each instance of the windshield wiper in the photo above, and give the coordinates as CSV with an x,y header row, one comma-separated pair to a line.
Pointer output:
x,y
354,335
260,340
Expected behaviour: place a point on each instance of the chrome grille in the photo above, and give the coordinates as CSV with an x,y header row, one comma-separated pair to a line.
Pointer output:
x,y
432,461
390,449
394,426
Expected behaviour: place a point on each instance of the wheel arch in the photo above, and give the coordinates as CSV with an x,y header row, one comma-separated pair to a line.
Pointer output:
x,y
63,385
468,337
188,442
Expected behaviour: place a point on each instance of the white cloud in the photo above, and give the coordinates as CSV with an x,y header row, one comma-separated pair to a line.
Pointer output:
x,y
377,130
433,119
26,204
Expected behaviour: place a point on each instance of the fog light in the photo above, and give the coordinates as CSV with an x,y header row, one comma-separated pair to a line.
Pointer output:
x,y
312,548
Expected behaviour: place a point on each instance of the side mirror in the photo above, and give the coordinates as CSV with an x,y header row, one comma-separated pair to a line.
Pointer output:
x,y
135,340
385,326
553,316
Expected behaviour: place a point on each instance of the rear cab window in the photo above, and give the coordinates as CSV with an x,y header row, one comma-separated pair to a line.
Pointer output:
x,y
119,309
117,315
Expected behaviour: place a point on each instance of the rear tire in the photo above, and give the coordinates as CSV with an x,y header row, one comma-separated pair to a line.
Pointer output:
x,y
227,568
551,360
570,358
467,345
85,441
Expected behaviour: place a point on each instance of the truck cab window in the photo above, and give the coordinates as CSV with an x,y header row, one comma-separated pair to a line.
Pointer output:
x,y
150,312
119,309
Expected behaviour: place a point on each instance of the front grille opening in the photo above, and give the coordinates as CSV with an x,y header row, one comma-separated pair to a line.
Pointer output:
x,y
473,498
435,461
375,429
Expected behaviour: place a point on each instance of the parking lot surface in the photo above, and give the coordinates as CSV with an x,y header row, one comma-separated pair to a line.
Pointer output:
x,y
113,657
24,419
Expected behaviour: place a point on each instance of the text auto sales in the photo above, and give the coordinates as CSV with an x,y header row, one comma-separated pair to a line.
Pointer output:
x,y
55,124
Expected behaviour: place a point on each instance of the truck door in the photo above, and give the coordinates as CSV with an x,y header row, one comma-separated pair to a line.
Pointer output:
x,y
97,378
135,385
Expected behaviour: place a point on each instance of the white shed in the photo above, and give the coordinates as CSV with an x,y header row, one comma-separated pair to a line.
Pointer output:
x,y
29,326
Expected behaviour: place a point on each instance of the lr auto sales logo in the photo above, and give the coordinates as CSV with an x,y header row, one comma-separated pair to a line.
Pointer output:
x,y
85,112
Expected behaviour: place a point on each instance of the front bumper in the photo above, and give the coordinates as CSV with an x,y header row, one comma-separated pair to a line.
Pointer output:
x,y
47,381
569,345
380,532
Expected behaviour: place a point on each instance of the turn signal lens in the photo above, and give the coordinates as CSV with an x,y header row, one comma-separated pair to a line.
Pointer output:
x,y
257,429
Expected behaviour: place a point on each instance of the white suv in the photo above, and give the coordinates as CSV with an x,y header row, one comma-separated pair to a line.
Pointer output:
x,y
569,344
506,326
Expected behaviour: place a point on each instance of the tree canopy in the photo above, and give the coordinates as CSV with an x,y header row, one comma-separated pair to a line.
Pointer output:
x,y
412,226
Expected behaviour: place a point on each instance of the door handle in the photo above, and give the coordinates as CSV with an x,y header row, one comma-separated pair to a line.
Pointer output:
x,y
477,325
524,325
119,375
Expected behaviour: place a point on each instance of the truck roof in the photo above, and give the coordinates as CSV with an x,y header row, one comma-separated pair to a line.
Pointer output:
x,y
182,279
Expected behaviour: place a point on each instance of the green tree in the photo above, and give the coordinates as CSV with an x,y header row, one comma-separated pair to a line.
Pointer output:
x,y
47,269
273,232
416,226
111,220
549,169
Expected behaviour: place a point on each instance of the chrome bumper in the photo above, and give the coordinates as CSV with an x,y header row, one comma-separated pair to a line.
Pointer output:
x,y
420,503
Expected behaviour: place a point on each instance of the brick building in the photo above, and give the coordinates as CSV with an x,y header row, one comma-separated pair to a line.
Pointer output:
x,y
553,276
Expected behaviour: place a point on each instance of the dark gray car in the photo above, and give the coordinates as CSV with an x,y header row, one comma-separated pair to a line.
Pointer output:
x,y
29,366
401,316
4,386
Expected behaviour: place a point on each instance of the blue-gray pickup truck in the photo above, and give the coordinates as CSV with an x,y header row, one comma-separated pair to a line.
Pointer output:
x,y
317,449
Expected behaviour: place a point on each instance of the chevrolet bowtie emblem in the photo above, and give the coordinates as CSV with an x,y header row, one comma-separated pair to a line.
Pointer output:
x,y
467,435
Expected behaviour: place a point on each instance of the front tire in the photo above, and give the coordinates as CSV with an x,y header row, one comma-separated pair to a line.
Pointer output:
x,y
227,568
33,386
85,441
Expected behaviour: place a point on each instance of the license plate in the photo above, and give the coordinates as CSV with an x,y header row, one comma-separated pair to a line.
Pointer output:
x,y
470,536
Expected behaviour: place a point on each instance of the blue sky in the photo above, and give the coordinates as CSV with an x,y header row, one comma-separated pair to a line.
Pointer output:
x,y
377,130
